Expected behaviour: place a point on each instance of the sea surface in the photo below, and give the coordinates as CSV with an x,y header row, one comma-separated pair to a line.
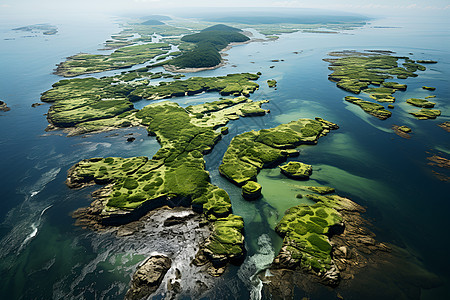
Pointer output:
x,y
43,255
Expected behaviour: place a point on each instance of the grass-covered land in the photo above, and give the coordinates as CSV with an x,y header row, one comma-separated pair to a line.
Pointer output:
x,y
175,176
92,104
323,190
121,58
251,151
272,83
355,71
429,88
251,190
425,114
232,84
304,230
296,170
420,103
208,43
374,109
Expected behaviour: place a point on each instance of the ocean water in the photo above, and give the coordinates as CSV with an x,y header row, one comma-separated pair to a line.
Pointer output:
x,y
44,256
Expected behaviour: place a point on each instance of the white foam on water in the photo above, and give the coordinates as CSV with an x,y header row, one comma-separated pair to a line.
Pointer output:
x,y
254,264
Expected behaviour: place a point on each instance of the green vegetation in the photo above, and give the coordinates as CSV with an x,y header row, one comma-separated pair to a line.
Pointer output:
x,y
251,190
251,151
425,114
323,190
404,129
429,88
371,108
232,84
426,61
381,94
420,103
92,104
296,170
208,44
152,22
304,229
121,58
272,83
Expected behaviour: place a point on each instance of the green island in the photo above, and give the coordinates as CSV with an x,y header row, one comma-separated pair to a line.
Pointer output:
x,y
358,72
91,104
124,57
374,109
175,176
425,114
272,83
429,88
251,190
208,43
249,152
322,190
420,103
296,170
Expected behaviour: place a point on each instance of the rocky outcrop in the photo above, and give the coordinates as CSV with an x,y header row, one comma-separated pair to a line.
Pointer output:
x,y
148,277
251,190
296,170
3,106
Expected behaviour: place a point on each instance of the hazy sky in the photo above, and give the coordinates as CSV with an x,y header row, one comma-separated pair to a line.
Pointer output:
x,y
155,6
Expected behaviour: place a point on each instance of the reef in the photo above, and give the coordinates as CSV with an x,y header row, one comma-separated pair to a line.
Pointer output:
x,y
402,131
445,126
3,106
296,170
374,109
251,151
420,103
425,114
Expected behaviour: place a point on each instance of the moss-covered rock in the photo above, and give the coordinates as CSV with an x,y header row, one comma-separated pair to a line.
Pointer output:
x,y
251,190
371,108
323,190
429,88
296,170
405,129
251,151
420,103
272,83
425,114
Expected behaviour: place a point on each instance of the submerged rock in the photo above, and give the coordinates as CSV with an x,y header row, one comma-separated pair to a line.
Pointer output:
x,y
148,277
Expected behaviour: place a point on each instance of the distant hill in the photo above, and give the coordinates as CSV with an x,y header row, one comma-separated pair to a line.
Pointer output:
x,y
208,44
157,17
221,27
152,22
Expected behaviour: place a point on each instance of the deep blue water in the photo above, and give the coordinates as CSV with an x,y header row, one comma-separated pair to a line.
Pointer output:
x,y
43,255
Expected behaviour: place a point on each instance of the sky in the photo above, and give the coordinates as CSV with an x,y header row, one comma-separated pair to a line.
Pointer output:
x,y
368,7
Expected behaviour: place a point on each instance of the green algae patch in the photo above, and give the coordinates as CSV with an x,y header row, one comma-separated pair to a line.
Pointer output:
x,y
251,151
374,109
425,114
322,190
429,88
304,230
121,58
420,103
272,83
251,190
296,170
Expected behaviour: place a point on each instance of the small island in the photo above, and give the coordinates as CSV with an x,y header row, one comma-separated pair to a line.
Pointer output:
x,y
296,170
3,106
420,103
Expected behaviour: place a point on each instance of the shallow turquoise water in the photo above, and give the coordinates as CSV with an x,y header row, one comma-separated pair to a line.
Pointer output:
x,y
45,256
